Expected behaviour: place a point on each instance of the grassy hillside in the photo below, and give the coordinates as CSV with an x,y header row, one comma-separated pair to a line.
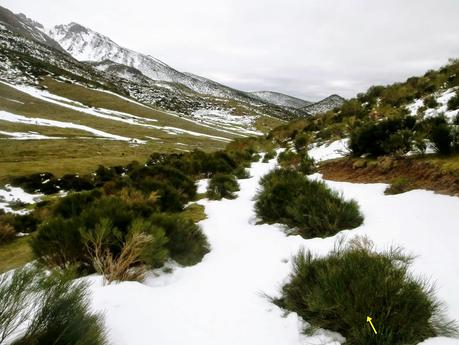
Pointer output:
x,y
82,151
405,134
417,96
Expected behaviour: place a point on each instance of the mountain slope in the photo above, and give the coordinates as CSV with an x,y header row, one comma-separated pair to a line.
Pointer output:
x,y
26,27
66,116
281,99
87,45
329,103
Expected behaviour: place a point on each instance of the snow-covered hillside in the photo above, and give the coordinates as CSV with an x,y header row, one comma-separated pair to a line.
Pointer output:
x,y
324,105
25,26
281,99
85,44
441,98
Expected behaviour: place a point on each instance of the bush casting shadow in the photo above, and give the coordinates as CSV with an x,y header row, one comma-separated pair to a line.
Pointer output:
x,y
288,197
339,291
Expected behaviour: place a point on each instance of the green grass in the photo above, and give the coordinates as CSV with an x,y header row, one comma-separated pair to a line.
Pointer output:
x,y
15,254
34,107
398,186
105,100
48,131
82,156
447,163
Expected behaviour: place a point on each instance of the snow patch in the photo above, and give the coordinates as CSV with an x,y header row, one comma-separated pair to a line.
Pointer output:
x,y
28,136
225,121
10,195
333,150
5,116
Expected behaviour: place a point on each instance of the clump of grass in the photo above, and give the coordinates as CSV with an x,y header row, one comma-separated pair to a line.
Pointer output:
x,y
338,291
269,155
255,157
36,308
7,232
241,172
310,207
128,264
299,161
195,212
222,186
398,185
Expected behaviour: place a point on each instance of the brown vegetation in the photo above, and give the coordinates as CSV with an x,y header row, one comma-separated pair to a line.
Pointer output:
x,y
421,173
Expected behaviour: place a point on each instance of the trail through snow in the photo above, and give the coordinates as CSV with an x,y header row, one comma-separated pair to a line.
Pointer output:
x,y
220,301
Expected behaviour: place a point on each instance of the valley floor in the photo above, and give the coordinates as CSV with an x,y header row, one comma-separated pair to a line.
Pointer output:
x,y
222,300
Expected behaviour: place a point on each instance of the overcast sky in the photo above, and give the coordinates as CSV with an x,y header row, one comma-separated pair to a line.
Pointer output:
x,y
306,48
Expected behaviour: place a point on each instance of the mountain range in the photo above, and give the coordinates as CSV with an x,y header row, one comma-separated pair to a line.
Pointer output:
x,y
85,44
59,61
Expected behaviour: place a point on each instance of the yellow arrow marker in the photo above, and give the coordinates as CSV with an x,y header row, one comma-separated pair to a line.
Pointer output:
x,y
371,323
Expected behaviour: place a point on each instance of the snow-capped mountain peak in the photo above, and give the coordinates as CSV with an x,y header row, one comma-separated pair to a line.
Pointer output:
x,y
281,99
85,44
329,103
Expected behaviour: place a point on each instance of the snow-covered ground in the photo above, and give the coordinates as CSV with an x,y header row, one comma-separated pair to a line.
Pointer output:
x,y
335,149
220,301
9,117
224,120
9,195
442,98
27,136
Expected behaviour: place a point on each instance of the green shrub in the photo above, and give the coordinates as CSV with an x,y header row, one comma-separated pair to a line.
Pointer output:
x,y
222,186
390,136
338,291
241,172
307,165
44,183
59,241
296,161
269,155
145,177
398,185
73,204
255,157
453,102
142,246
442,138
71,234
186,242
290,198
75,183
430,101
302,141
48,310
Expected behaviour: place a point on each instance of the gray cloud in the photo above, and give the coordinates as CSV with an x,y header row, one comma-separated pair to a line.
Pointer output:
x,y
307,48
